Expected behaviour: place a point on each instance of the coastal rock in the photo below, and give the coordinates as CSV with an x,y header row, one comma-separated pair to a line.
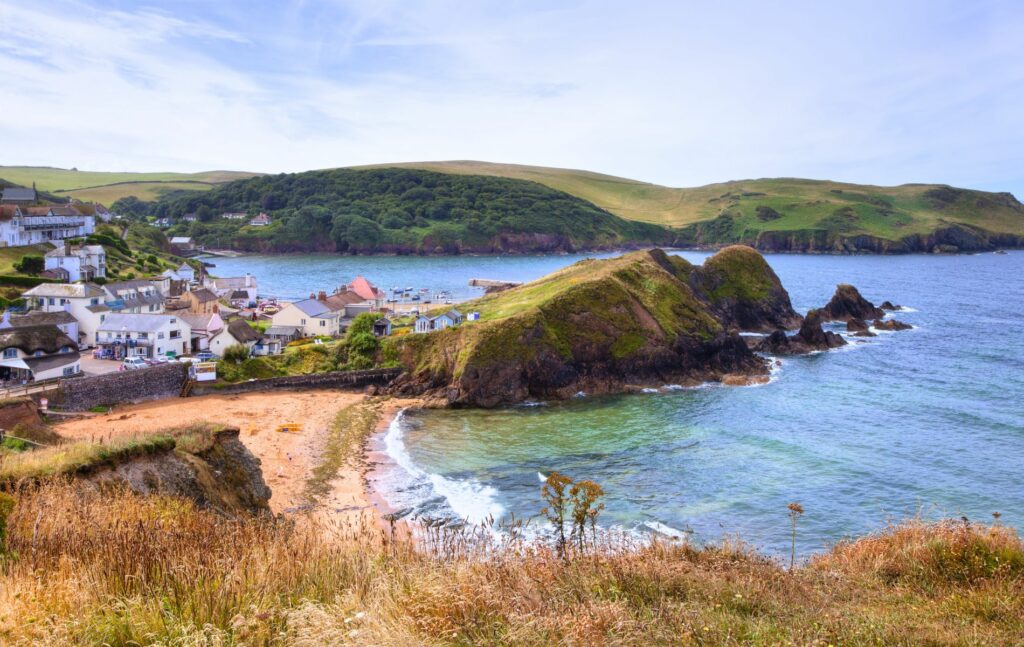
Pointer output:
x,y
645,318
888,305
847,303
744,291
890,324
811,337
859,327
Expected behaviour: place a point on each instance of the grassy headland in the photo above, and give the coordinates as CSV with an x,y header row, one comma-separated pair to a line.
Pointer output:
x,y
106,187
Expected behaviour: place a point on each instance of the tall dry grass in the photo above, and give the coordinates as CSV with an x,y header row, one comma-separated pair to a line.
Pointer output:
x,y
85,568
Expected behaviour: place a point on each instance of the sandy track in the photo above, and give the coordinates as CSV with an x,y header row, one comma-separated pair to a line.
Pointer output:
x,y
287,459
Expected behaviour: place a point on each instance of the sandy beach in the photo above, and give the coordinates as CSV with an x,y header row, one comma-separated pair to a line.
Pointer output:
x,y
288,459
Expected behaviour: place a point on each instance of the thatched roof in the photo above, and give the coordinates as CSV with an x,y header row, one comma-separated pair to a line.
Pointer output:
x,y
47,338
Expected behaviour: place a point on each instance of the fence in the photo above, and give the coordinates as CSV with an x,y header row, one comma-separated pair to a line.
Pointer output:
x,y
334,379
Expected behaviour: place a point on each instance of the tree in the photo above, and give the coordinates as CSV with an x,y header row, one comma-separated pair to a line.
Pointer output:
x,y
554,493
363,323
586,505
30,265
236,353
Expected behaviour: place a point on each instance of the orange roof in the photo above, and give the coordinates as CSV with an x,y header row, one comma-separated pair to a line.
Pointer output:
x,y
364,288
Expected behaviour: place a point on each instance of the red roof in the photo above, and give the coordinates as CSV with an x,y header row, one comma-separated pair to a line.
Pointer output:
x,y
364,289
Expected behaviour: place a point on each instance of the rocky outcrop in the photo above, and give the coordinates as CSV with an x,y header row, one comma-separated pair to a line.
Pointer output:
x,y
888,305
859,328
953,238
645,318
811,337
211,467
891,324
847,304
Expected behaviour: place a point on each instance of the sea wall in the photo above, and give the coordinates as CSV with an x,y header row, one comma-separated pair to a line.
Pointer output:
x,y
334,379
80,394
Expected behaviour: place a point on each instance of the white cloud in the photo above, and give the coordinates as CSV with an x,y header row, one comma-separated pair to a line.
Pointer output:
x,y
681,95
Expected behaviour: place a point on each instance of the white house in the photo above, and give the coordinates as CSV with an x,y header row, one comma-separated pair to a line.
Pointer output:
x,y
313,316
143,335
134,297
225,287
77,262
32,225
205,327
38,352
84,301
261,220
236,332
186,272
234,215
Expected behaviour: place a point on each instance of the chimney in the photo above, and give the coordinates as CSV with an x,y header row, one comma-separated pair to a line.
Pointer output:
x,y
312,295
322,296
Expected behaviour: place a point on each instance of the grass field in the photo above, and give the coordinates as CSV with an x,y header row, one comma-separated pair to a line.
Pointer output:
x,y
888,212
106,187
11,255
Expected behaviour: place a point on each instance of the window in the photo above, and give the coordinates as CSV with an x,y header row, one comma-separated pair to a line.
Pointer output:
x,y
94,302
38,353
65,349
50,301
10,353
159,335
103,318
322,323
143,335
70,370
175,334
302,321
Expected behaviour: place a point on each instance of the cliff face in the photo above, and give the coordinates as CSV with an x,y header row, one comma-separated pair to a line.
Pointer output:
x,y
645,318
213,469
950,239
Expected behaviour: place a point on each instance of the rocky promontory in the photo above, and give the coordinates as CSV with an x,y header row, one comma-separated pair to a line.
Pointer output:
x,y
602,326
847,303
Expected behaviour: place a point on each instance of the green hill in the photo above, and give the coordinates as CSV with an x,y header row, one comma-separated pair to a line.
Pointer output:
x,y
106,187
790,214
401,211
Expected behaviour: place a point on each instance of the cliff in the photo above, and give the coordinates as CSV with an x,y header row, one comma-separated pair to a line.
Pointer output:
x,y
208,465
645,318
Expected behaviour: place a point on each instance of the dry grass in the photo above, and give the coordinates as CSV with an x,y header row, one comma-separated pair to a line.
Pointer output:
x,y
120,569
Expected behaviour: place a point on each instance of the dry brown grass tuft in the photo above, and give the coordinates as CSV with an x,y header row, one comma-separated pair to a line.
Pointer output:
x,y
114,568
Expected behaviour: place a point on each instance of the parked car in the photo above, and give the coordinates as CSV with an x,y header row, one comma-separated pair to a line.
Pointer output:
x,y
205,356
132,363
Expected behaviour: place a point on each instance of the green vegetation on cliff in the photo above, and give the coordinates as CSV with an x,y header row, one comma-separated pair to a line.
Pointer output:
x,y
107,187
399,211
599,324
789,214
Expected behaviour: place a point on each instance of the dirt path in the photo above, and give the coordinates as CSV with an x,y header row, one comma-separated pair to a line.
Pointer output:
x,y
288,460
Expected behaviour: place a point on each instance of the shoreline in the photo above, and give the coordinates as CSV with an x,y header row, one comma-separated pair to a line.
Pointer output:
x,y
373,458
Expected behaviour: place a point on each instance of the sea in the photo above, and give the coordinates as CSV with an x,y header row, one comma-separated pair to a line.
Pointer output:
x,y
923,423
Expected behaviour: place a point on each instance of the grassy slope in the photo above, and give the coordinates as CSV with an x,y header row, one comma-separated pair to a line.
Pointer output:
x,y
10,255
106,187
802,203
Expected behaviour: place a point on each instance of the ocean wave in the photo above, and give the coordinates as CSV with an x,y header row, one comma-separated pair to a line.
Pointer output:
x,y
662,529
468,499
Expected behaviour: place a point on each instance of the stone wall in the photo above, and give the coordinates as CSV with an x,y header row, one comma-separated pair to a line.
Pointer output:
x,y
332,380
81,394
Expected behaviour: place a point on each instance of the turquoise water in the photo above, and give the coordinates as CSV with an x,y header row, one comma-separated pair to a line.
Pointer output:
x,y
928,421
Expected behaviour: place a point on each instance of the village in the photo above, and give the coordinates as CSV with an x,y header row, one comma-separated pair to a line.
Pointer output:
x,y
81,322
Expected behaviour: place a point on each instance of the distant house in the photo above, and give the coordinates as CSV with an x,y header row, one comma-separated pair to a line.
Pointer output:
x,y
39,352
368,292
382,327
102,212
201,301
143,335
21,226
162,223
474,316
204,328
137,296
236,332
239,298
18,195
85,302
283,334
183,246
190,217
234,215
447,320
423,324
261,220
224,287
78,262
313,316
186,272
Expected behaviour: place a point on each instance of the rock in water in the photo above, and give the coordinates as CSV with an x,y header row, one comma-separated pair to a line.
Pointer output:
x,y
891,324
859,327
888,305
812,337
847,303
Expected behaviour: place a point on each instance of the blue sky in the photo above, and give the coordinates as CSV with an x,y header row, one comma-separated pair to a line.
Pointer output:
x,y
676,93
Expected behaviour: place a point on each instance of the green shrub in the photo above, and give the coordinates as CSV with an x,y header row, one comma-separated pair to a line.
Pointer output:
x,y
236,353
30,265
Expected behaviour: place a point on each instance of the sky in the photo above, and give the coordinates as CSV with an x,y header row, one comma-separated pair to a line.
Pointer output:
x,y
676,93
